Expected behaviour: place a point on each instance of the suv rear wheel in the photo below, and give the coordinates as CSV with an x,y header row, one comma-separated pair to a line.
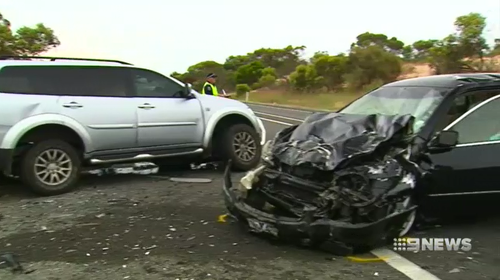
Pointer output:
x,y
241,144
50,167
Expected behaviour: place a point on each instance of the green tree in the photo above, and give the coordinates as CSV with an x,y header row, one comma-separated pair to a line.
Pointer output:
x,y
470,35
7,39
234,62
449,55
26,40
283,60
373,59
370,64
267,79
317,55
242,89
367,39
250,73
408,53
305,78
331,69
496,48
422,49
196,75
258,68
269,71
180,77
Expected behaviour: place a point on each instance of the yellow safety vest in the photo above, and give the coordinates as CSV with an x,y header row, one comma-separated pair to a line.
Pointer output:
x,y
214,89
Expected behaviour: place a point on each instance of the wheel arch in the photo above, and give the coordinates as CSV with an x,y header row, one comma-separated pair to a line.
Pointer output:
x,y
54,123
218,123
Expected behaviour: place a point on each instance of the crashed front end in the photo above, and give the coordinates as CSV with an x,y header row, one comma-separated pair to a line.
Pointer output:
x,y
338,182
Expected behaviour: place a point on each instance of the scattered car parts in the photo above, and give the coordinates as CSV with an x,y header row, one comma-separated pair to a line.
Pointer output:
x,y
9,260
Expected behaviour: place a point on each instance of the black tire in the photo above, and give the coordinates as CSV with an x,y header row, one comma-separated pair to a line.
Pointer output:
x,y
27,169
227,150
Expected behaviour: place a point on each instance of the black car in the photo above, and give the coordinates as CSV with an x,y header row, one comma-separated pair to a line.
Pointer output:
x,y
408,149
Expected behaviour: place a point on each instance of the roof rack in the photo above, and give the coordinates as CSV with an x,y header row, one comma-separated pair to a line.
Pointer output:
x,y
52,58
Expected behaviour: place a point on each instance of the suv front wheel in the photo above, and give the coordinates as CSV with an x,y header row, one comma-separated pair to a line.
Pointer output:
x,y
241,144
50,167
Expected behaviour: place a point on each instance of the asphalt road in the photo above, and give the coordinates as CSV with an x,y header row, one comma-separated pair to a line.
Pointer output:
x,y
482,262
148,227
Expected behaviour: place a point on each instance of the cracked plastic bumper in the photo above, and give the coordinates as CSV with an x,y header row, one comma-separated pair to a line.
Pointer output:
x,y
317,231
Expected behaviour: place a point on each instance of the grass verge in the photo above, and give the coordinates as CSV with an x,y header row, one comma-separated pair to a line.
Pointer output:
x,y
326,101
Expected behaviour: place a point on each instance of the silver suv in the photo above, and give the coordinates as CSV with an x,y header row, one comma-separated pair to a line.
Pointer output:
x,y
65,114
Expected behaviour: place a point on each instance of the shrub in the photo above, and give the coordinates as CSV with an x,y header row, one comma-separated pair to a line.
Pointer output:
x,y
242,89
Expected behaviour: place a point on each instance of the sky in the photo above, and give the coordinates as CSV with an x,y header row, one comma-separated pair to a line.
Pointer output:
x,y
169,36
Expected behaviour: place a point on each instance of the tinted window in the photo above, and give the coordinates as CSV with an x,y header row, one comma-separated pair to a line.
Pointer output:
x,y
151,84
64,80
483,124
461,105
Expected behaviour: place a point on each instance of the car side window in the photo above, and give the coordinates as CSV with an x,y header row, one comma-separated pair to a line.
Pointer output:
x,y
25,80
65,80
480,124
151,84
461,105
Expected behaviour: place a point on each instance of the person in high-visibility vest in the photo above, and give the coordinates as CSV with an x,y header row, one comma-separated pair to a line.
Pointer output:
x,y
209,87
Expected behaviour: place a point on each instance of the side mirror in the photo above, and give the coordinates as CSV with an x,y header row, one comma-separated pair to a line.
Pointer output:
x,y
187,91
445,139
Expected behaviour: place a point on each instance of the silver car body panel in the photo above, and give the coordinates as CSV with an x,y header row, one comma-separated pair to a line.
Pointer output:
x,y
14,134
108,127
215,108
171,121
118,123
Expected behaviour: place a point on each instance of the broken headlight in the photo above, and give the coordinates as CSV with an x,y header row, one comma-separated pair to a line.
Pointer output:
x,y
252,176
267,151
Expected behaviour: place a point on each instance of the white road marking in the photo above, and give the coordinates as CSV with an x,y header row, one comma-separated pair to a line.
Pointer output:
x,y
279,117
403,265
280,108
275,121
396,261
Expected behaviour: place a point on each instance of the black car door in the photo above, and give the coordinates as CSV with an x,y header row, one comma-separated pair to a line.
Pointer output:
x,y
469,173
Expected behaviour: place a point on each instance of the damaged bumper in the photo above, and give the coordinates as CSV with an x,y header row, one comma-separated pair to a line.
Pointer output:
x,y
329,235
337,182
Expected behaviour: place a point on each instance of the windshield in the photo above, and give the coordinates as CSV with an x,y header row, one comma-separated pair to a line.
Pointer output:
x,y
419,102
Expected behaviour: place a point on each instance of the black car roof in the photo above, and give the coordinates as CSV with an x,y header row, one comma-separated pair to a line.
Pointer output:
x,y
447,80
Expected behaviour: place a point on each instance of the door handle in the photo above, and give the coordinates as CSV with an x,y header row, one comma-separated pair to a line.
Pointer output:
x,y
146,106
72,105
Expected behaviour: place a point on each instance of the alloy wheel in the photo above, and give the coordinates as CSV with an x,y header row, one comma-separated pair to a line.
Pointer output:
x,y
53,167
244,146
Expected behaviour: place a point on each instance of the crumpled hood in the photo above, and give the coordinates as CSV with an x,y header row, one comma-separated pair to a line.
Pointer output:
x,y
328,140
338,182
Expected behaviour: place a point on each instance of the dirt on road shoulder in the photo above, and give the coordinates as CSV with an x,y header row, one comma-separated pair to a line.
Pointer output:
x,y
147,227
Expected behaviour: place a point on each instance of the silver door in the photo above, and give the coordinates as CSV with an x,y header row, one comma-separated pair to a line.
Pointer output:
x,y
110,121
169,121
99,98
164,118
